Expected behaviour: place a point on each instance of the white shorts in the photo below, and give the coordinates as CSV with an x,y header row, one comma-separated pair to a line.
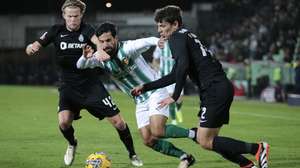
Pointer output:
x,y
150,107
171,89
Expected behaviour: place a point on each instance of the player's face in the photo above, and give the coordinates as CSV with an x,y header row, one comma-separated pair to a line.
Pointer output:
x,y
165,29
108,43
72,16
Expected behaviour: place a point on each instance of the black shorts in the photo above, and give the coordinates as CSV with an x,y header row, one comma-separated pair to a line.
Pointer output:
x,y
94,98
216,99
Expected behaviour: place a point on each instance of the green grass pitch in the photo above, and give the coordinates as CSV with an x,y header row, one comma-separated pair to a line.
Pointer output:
x,y
30,138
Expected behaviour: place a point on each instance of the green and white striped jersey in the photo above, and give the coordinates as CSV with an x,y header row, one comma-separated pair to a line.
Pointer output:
x,y
166,62
128,67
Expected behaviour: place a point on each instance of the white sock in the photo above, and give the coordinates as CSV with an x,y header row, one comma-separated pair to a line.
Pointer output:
x,y
192,134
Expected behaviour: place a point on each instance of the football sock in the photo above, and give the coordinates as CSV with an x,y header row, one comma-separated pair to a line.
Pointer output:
x,y
172,111
238,159
126,138
229,145
173,131
167,148
69,135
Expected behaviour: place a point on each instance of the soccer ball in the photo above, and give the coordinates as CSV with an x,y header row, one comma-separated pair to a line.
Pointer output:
x,y
98,160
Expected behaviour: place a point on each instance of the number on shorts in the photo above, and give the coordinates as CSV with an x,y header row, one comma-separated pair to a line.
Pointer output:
x,y
108,101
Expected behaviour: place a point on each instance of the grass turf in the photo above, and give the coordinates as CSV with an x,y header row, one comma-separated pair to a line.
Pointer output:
x,y
30,138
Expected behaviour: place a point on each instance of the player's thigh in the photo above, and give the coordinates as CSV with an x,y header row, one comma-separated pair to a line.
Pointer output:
x,y
142,114
215,104
69,105
100,104
157,125
154,100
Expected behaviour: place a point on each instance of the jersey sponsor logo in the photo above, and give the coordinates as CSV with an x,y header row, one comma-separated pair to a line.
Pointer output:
x,y
125,61
81,38
64,45
63,35
43,36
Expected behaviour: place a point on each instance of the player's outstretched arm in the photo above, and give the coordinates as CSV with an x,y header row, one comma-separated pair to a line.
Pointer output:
x,y
88,59
33,48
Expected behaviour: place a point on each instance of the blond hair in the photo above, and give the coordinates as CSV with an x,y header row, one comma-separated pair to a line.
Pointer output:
x,y
74,3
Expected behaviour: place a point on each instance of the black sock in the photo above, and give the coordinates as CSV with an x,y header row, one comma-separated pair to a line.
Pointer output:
x,y
126,138
69,135
254,149
238,159
229,145
232,149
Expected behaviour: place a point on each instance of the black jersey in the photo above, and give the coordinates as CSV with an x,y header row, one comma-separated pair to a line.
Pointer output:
x,y
191,58
68,46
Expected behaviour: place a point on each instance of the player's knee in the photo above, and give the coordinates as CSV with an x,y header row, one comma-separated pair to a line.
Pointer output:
x,y
64,125
205,143
158,134
148,141
119,124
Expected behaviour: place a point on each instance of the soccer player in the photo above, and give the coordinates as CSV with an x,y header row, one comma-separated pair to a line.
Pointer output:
x,y
163,58
129,69
80,89
215,90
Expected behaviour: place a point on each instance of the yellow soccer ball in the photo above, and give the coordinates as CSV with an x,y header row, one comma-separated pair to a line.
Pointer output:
x,y
98,160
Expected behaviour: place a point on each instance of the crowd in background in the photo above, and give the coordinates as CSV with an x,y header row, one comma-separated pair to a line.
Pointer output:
x,y
271,33
242,31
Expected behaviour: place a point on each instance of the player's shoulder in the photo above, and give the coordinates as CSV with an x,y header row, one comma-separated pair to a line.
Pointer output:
x,y
86,26
180,33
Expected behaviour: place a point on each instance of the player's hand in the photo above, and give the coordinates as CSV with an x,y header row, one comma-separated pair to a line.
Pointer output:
x,y
137,90
32,49
87,51
166,102
101,55
161,42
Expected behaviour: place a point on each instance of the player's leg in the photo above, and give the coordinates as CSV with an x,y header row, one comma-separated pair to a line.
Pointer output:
x,y
158,119
214,113
161,130
67,112
164,147
208,138
159,145
100,104
125,136
65,119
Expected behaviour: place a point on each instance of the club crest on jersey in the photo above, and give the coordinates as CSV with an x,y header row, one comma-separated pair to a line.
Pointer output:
x,y
81,38
125,61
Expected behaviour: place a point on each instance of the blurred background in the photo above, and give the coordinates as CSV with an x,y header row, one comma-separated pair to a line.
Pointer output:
x,y
257,41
